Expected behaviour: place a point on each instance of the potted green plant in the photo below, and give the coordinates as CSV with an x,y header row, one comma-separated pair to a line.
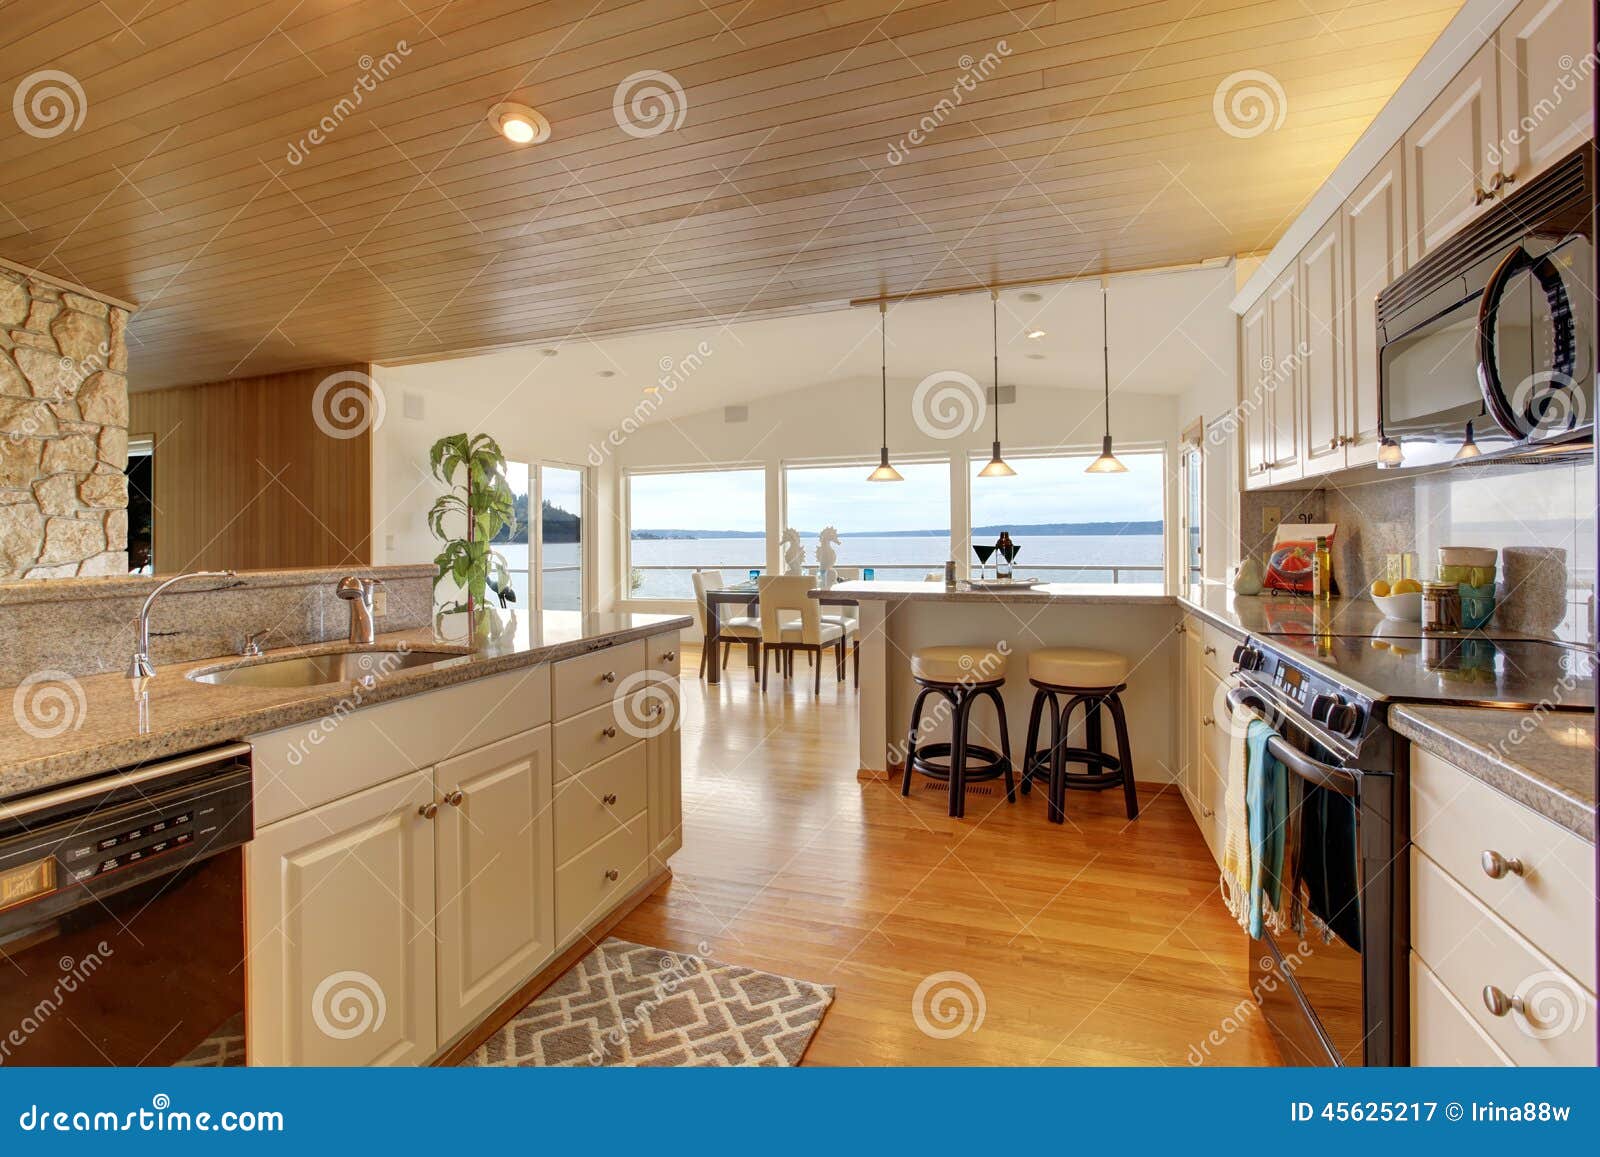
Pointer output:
x,y
473,469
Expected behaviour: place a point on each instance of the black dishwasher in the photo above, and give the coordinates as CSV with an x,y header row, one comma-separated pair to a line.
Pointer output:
x,y
122,916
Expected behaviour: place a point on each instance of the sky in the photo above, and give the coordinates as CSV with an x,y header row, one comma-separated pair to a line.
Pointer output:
x,y
1044,490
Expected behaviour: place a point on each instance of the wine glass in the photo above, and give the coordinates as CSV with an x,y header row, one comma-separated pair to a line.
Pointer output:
x,y
983,552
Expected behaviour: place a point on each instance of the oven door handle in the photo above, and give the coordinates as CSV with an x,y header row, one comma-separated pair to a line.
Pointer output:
x,y
1335,779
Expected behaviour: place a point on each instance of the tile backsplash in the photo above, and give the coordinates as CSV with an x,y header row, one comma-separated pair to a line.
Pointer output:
x,y
1543,508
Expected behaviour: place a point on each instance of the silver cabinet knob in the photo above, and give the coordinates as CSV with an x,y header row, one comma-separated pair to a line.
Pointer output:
x,y
609,732
1211,650
613,875
1182,630
668,656
1207,812
609,799
1499,1002
428,810
1206,720
1333,442
609,677
455,797
1480,195
1497,867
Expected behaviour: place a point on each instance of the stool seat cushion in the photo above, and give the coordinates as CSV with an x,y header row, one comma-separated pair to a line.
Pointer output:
x,y
957,664
1077,667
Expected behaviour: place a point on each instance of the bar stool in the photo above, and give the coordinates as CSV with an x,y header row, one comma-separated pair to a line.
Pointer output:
x,y
1093,679
961,676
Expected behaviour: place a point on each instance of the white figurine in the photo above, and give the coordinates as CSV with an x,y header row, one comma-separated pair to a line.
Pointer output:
x,y
826,554
794,554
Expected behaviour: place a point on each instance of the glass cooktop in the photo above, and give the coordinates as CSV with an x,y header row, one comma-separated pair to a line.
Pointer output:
x,y
1466,669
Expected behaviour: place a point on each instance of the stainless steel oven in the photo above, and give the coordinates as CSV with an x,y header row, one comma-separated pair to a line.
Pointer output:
x,y
122,916
1332,985
1489,340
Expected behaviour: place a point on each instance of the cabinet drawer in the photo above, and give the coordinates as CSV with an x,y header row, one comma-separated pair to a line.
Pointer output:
x,y
582,814
661,653
585,887
1455,819
588,738
1216,649
1467,947
1214,738
590,680
1442,1032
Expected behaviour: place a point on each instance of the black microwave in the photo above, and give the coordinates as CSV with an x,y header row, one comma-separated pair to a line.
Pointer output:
x,y
1486,347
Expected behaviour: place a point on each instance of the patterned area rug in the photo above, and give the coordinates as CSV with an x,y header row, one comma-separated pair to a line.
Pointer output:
x,y
628,1005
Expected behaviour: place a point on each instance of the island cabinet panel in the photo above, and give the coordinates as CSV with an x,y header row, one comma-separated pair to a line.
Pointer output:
x,y
496,865
340,917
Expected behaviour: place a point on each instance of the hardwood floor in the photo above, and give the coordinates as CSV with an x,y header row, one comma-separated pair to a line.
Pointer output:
x,y
1102,942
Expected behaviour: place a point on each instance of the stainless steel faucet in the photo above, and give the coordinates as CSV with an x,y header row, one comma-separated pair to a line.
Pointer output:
x,y
358,593
140,667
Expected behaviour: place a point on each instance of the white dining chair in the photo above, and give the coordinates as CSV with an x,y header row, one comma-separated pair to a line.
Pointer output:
x,y
782,597
743,629
848,619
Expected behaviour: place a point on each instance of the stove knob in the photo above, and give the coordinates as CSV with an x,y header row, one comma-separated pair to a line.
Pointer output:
x,y
1322,706
1247,658
1345,720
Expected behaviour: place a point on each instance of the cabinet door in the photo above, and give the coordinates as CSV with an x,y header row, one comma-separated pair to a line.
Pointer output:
x,y
1321,300
664,775
1285,377
1447,168
1546,98
1374,255
496,875
340,914
1254,362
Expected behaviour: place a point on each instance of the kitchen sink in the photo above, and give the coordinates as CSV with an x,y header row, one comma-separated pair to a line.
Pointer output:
x,y
315,670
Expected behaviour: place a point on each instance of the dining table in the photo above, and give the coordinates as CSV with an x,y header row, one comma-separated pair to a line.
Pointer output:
x,y
745,594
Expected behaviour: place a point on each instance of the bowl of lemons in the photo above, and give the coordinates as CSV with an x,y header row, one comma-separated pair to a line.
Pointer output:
x,y
1402,600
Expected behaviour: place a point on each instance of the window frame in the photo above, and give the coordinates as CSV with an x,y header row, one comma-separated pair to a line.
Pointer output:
x,y
625,507
535,572
866,465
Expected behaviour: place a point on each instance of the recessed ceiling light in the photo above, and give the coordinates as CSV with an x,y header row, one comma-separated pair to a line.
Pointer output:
x,y
1036,357
1035,334
1030,297
549,353
608,373
519,124
652,388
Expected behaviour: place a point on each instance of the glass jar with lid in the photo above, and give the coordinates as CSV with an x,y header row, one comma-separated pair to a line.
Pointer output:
x,y
1441,607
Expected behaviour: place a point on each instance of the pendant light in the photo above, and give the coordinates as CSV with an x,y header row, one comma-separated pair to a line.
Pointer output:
x,y
1390,453
884,472
997,467
1469,448
1107,463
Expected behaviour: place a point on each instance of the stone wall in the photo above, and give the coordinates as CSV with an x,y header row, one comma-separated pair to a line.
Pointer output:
x,y
63,432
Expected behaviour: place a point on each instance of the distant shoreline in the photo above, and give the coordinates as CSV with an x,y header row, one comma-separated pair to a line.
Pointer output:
x,y
1052,529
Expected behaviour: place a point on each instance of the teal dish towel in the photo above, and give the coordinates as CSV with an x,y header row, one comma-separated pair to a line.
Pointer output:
x,y
1267,805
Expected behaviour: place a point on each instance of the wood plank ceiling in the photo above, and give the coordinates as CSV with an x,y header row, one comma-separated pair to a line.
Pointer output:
x,y
193,187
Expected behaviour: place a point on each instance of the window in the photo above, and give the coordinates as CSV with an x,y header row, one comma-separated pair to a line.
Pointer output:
x,y
1075,527
691,520
899,529
552,547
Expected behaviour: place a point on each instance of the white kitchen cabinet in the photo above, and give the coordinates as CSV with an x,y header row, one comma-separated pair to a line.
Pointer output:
x,y
1322,303
1287,357
496,872
1254,364
664,753
1449,174
1545,85
340,918
1374,255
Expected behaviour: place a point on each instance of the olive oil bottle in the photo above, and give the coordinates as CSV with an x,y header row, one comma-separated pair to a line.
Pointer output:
x,y
1322,571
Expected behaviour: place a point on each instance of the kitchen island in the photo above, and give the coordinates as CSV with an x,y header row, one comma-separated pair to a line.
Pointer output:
x,y
1135,620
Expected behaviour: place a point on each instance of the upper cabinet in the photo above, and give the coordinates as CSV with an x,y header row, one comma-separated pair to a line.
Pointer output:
x,y
1545,77
1308,380
1448,168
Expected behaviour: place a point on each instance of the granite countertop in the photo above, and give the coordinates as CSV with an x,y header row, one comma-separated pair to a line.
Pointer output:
x,y
1549,768
71,728
1088,594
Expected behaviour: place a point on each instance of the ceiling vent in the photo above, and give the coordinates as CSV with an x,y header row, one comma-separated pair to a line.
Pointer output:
x,y
1001,395
732,414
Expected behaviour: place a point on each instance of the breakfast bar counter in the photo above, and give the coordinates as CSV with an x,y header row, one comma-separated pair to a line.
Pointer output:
x,y
1135,620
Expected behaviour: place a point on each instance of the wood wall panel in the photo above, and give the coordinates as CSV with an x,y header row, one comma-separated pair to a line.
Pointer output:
x,y
246,478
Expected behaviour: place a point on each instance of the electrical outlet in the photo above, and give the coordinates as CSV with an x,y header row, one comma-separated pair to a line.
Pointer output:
x,y
380,602
1270,517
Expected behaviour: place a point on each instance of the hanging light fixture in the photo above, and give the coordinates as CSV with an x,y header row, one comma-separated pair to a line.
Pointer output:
x,y
884,472
1389,453
997,467
1469,448
1107,463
